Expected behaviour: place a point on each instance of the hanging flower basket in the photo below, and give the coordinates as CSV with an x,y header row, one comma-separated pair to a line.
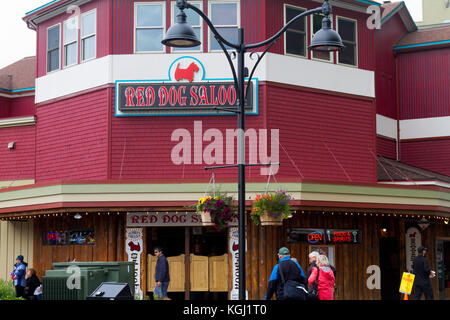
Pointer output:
x,y
271,209
216,210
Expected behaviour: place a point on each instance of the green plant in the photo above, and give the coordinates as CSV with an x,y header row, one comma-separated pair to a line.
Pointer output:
x,y
220,208
275,204
7,290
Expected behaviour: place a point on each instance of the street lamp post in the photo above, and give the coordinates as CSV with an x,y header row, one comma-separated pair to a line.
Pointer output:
x,y
182,34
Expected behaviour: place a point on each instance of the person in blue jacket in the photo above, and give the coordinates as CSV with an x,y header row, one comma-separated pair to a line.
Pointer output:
x,y
18,275
162,277
291,271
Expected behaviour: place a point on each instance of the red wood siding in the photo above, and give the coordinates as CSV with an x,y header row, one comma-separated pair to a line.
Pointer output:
x,y
23,106
323,136
18,163
428,154
5,103
141,146
103,34
385,73
275,20
386,147
72,138
260,19
424,84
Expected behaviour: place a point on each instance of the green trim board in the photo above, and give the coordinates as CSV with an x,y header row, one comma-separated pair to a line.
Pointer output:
x,y
301,191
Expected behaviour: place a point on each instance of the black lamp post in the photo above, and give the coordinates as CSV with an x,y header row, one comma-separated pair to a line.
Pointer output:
x,y
181,34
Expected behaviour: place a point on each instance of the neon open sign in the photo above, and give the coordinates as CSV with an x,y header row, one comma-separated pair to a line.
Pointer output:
x,y
322,236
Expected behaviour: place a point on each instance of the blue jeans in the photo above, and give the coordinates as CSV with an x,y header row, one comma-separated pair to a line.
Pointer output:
x,y
162,290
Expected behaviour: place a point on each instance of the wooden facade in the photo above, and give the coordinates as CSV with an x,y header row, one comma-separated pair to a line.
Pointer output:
x,y
109,240
206,273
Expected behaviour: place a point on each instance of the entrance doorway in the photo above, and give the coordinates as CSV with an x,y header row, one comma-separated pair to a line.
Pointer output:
x,y
443,272
390,268
198,260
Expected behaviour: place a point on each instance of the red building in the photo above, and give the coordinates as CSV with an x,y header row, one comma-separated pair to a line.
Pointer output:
x,y
122,135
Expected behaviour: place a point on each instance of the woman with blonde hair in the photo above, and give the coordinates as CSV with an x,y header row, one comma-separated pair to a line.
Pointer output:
x,y
325,278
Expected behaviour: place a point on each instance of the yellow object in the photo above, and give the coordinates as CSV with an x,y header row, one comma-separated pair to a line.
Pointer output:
x,y
407,283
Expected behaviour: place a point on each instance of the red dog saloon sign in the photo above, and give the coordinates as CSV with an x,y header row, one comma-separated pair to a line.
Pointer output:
x,y
186,92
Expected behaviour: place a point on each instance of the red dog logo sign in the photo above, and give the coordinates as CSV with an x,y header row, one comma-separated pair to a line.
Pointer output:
x,y
187,74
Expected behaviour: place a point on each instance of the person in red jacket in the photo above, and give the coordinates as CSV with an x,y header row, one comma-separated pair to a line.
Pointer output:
x,y
325,283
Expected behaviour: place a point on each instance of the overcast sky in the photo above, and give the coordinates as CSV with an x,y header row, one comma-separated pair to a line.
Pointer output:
x,y
18,41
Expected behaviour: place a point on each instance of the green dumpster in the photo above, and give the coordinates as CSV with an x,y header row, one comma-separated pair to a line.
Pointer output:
x,y
77,280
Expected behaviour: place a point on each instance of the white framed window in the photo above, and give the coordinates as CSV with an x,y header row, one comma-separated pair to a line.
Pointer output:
x,y
348,30
295,36
226,17
194,20
53,47
149,26
316,25
88,40
70,42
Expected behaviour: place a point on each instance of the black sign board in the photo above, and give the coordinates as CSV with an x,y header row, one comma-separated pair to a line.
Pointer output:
x,y
324,236
179,96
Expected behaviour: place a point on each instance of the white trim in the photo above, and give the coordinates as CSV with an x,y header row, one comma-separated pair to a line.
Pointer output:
x,y
238,17
172,20
135,27
425,128
311,34
88,36
419,183
306,31
16,122
386,127
356,41
59,48
274,67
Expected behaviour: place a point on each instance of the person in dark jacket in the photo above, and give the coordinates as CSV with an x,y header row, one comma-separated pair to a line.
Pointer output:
x,y
422,271
18,276
291,271
162,277
31,284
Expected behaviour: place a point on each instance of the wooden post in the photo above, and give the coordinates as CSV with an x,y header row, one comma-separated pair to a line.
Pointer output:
x,y
187,265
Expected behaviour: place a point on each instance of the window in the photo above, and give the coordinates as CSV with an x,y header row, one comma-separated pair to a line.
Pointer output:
x,y
149,27
194,20
53,43
316,25
347,31
70,35
225,17
295,37
88,35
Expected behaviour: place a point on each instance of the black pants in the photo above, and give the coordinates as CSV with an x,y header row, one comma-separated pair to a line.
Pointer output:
x,y
426,289
20,291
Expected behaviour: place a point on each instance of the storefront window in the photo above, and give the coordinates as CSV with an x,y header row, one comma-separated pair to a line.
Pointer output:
x,y
295,38
225,17
88,35
316,25
149,27
53,42
194,20
70,42
347,30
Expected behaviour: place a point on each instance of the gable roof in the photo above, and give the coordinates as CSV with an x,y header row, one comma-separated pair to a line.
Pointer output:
x,y
390,9
19,76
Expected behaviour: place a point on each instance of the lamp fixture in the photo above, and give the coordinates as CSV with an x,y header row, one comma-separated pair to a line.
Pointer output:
x,y
77,216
